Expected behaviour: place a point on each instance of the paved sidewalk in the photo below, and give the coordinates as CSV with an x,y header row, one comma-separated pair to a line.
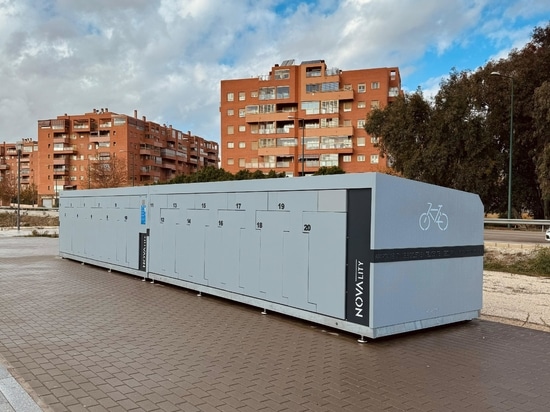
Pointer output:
x,y
82,339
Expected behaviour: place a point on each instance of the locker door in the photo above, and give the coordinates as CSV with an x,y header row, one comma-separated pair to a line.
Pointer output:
x,y
272,226
326,261
193,245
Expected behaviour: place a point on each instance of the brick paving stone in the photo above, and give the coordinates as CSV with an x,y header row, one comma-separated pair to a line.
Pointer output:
x,y
95,340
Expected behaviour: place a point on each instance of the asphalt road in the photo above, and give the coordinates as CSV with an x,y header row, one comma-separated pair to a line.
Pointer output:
x,y
516,236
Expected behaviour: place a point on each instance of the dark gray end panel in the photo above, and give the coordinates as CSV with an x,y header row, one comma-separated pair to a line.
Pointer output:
x,y
358,256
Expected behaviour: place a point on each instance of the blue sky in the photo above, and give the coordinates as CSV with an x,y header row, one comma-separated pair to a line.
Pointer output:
x,y
166,58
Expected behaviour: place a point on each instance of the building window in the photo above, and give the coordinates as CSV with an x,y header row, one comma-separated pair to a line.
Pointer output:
x,y
347,106
252,109
254,145
242,96
346,158
241,163
310,107
361,105
347,87
392,75
360,158
282,74
283,92
360,141
242,128
374,140
231,161
230,97
328,160
242,145
375,85
267,93
230,129
313,87
254,93
329,106
241,112
361,123
230,145
361,88
230,112
347,123
374,104
374,159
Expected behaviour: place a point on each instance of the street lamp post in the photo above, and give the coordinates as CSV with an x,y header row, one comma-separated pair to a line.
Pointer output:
x,y
511,139
303,140
19,148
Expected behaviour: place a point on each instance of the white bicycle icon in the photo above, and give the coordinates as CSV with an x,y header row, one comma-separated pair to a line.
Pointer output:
x,y
435,214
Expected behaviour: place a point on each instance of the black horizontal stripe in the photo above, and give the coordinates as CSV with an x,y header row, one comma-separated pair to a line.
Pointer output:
x,y
426,253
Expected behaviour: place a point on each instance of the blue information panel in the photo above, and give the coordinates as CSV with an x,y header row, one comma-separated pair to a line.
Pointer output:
x,y
143,214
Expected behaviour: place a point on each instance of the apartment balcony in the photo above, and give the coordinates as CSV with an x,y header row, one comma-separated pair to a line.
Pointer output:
x,y
333,131
4,166
25,172
64,150
60,161
169,165
212,150
337,95
25,159
149,151
212,157
269,117
61,138
100,137
261,165
81,126
278,151
168,153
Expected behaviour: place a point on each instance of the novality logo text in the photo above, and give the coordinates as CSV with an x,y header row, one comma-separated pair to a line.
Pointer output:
x,y
359,289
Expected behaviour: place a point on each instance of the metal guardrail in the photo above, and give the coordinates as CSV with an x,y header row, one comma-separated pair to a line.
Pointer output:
x,y
536,222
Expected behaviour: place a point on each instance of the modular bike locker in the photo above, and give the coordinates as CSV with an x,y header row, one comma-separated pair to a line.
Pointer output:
x,y
370,254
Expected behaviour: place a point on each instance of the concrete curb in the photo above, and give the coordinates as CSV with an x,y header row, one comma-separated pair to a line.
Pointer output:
x,y
12,395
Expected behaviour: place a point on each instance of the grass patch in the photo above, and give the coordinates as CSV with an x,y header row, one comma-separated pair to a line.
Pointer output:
x,y
36,233
535,263
9,219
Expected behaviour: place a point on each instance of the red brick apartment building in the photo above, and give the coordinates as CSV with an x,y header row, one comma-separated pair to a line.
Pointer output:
x,y
151,152
9,166
264,119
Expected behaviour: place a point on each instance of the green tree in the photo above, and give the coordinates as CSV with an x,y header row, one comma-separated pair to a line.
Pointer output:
x,y
29,195
329,170
461,139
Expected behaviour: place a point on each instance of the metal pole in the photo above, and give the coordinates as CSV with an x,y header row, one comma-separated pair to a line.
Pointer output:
x,y
511,146
303,146
133,168
18,188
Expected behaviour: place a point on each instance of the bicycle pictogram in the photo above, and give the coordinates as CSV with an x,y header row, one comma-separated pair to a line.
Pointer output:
x,y
433,214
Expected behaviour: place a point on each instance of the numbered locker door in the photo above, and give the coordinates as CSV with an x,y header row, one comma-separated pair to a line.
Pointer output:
x,y
164,262
244,252
272,225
